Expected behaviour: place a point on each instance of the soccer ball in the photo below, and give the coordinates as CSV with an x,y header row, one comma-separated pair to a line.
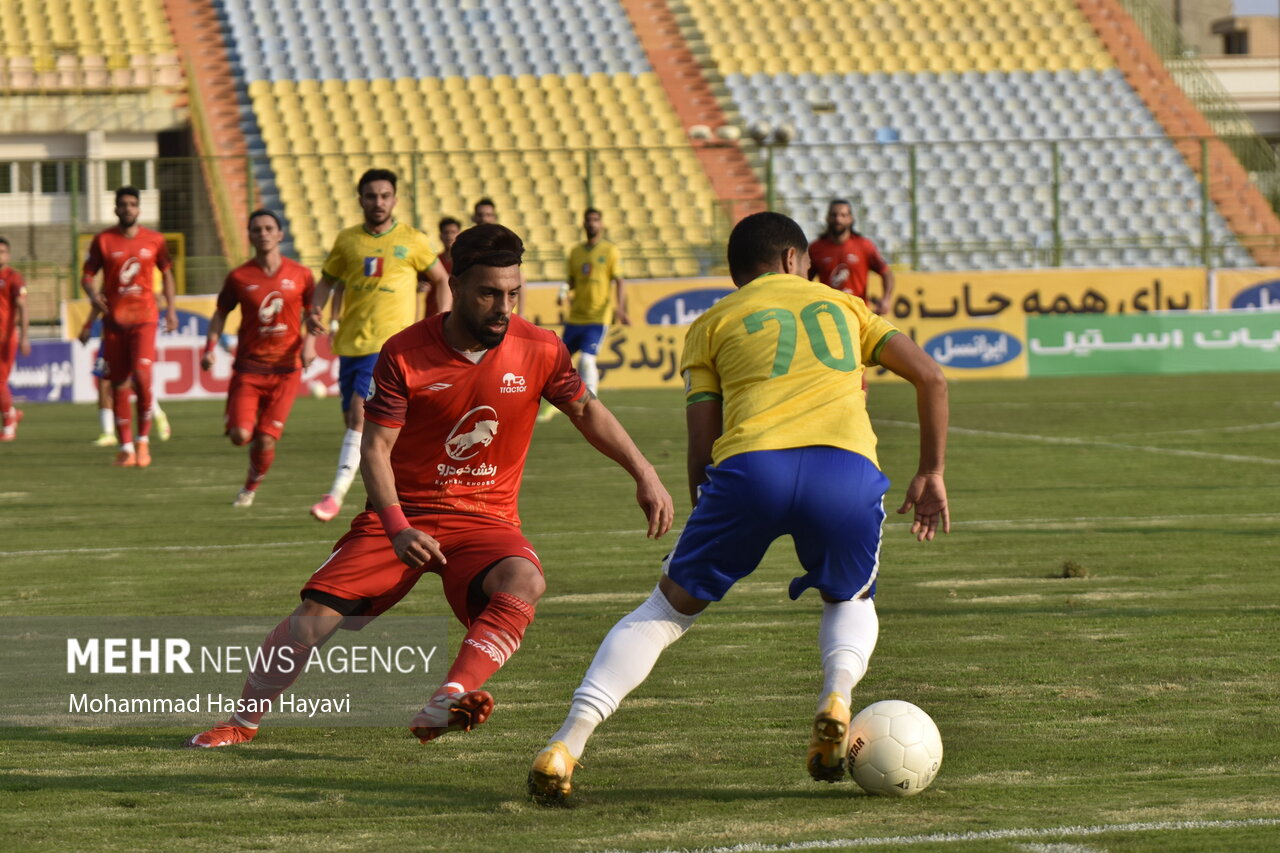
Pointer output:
x,y
319,390
895,750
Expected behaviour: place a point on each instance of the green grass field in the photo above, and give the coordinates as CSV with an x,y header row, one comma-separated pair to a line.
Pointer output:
x,y
1137,708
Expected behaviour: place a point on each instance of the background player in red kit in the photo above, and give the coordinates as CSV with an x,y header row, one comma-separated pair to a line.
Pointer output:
x,y
128,256
273,294
440,300
446,434
841,258
13,336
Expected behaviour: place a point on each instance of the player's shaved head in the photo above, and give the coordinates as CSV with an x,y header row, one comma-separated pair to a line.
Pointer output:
x,y
759,244
490,245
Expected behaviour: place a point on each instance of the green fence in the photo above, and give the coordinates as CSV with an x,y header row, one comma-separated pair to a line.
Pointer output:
x,y
956,205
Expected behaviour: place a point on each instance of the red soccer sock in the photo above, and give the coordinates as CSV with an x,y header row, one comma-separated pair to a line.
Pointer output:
x,y
493,637
124,427
6,399
259,464
142,385
277,665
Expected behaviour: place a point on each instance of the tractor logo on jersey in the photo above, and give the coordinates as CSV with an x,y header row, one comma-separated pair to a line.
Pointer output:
x,y
476,429
512,384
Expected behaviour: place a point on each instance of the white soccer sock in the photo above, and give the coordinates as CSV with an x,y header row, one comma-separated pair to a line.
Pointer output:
x,y
590,372
846,640
348,465
624,660
107,420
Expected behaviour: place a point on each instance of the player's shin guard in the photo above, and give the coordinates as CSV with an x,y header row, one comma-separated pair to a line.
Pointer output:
x,y
124,422
590,372
260,459
846,639
625,659
492,638
348,465
277,665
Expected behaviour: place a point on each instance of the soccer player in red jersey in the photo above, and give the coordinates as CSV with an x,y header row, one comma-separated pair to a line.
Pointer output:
x,y
13,337
128,256
446,434
439,300
841,258
274,294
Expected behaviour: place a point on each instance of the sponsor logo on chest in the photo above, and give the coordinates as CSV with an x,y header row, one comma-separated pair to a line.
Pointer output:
x,y
512,384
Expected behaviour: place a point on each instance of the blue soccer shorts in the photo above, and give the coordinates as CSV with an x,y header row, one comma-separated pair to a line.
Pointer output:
x,y
355,376
586,337
830,501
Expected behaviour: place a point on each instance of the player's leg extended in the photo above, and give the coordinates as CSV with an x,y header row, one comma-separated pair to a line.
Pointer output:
x,y
10,415
838,518
510,589
277,665
106,405
737,517
622,663
587,367
143,344
355,382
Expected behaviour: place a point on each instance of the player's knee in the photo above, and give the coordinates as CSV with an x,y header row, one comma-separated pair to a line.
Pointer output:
x,y
263,443
516,576
239,437
312,623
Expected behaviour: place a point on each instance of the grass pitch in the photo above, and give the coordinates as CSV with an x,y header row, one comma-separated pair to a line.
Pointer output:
x,y
1131,706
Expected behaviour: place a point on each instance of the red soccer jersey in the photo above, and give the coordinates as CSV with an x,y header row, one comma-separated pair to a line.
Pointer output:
x,y
465,428
844,265
271,311
128,267
11,287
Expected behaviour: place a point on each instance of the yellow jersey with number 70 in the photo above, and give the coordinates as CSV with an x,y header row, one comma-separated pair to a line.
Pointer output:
x,y
786,357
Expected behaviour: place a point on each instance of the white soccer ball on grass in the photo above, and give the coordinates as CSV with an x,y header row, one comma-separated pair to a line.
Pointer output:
x,y
895,749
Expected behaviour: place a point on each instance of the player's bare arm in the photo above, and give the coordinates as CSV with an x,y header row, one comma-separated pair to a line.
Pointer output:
x,y
308,349
927,492
413,547
704,421
216,324
315,317
620,302
602,430
20,319
95,296
885,302
438,280
170,289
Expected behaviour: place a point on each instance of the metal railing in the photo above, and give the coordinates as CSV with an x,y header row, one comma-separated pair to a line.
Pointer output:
x,y
927,205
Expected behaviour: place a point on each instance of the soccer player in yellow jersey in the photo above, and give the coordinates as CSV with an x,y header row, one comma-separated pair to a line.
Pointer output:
x,y
376,266
779,443
595,286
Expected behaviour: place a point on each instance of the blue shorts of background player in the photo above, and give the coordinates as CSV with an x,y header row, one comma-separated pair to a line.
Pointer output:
x,y
355,376
830,501
585,337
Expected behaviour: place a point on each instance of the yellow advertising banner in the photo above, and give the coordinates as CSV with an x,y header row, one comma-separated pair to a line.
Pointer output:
x,y
1257,290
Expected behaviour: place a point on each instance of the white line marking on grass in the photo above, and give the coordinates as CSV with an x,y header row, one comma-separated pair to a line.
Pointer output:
x,y
1085,442
984,835
1210,430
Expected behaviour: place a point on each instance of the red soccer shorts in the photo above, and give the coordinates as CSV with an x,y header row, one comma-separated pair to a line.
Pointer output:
x,y
128,348
364,565
261,402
